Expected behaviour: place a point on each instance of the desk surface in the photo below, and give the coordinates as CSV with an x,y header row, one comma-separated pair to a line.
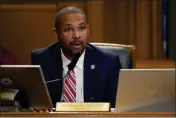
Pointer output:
x,y
85,114
155,64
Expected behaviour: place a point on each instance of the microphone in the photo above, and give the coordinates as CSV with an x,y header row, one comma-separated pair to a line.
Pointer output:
x,y
71,66
74,61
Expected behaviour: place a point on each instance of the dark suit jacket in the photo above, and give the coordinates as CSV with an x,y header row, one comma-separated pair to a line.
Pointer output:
x,y
100,84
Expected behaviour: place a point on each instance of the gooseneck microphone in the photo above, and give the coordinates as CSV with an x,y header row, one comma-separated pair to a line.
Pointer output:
x,y
70,67
74,61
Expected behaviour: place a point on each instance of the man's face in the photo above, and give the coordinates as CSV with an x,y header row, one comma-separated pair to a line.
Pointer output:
x,y
73,33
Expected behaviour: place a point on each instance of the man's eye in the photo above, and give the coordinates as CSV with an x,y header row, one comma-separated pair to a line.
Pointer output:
x,y
67,29
82,28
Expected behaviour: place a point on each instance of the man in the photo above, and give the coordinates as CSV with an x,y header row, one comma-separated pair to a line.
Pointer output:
x,y
6,57
96,72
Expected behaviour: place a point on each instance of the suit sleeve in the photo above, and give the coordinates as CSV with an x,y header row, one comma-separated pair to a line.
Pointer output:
x,y
112,84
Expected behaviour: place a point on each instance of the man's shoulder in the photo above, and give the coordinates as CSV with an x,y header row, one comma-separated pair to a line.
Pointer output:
x,y
104,56
40,50
102,52
45,50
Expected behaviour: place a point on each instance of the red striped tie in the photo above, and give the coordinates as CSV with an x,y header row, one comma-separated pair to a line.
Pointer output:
x,y
70,87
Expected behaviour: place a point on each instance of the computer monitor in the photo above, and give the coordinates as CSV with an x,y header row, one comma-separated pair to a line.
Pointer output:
x,y
146,90
29,78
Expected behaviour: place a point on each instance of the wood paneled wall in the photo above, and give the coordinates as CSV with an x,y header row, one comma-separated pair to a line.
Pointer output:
x,y
24,27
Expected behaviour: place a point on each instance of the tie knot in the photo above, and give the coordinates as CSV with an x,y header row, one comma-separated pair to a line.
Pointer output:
x,y
73,71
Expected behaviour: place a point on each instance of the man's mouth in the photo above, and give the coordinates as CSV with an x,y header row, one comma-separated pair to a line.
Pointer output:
x,y
77,44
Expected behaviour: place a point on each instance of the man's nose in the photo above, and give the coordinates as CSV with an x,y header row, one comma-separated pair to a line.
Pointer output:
x,y
76,35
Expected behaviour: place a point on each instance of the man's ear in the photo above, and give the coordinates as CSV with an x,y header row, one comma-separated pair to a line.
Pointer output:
x,y
88,30
56,33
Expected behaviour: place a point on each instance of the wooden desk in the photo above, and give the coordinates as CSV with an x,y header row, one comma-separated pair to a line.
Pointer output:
x,y
155,64
87,114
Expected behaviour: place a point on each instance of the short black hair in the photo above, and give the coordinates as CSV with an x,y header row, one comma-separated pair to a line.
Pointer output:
x,y
67,10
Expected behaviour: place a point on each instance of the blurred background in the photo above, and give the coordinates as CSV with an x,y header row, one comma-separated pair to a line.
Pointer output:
x,y
148,24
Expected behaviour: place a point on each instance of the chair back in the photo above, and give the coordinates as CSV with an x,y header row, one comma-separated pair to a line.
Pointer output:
x,y
126,53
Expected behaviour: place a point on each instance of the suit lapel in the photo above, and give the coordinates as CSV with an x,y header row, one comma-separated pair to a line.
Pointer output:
x,y
57,73
89,73
58,62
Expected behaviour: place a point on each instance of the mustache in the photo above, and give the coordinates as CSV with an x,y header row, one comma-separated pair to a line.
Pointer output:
x,y
76,42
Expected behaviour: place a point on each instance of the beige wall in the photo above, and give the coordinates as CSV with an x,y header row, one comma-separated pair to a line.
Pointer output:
x,y
24,27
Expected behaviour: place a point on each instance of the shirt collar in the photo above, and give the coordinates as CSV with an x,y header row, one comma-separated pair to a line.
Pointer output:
x,y
66,61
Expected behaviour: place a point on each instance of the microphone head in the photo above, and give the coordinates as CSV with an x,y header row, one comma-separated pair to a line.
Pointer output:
x,y
74,61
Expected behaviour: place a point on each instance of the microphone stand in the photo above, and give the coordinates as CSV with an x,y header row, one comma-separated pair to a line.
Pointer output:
x,y
58,79
70,67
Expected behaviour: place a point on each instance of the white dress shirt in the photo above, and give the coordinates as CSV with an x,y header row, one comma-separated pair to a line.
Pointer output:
x,y
79,76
